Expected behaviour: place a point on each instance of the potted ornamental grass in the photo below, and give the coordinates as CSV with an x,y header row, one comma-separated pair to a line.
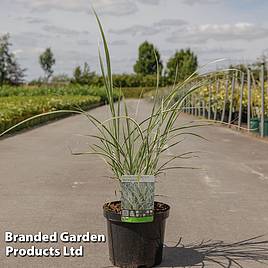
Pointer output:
x,y
133,150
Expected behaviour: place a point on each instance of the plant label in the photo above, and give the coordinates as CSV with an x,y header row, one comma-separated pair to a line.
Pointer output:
x,y
137,198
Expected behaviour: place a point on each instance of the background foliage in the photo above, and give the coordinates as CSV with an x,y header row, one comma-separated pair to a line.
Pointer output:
x,y
146,63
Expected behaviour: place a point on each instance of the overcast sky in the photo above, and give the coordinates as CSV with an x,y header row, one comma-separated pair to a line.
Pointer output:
x,y
233,29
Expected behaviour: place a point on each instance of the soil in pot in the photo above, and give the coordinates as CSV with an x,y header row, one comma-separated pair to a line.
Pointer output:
x,y
135,245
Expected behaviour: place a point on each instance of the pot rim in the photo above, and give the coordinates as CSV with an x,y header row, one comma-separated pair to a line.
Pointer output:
x,y
113,216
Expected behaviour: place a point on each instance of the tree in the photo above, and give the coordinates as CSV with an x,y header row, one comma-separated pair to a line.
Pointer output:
x,y
16,74
47,60
146,63
84,76
255,68
87,75
10,70
184,62
4,57
77,74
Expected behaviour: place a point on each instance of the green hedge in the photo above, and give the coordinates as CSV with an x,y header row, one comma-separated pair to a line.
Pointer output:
x,y
20,103
130,80
76,90
48,90
134,80
16,109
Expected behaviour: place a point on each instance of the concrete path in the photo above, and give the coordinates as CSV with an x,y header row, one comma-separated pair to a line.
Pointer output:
x,y
44,188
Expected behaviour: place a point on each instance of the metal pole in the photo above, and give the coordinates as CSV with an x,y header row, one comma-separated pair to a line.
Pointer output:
x,y
199,107
209,101
225,99
262,100
204,110
189,104
195,105
192,104
231,102
266,74
216,97
241,99
249,98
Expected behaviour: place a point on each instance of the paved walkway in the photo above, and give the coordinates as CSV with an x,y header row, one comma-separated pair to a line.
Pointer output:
x,y
44,188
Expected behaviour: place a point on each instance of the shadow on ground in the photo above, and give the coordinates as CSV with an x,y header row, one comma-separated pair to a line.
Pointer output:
x,y
217,254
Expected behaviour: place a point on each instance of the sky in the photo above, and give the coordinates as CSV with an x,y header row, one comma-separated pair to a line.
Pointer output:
x,y
233,29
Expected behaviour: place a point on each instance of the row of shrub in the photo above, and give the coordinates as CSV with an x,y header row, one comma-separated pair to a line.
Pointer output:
x,y
119,80
137,80
15,109
19,103
72,89
201,98
49,90
217,99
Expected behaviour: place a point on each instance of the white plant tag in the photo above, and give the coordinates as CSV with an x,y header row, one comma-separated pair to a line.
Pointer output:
x,y
137,198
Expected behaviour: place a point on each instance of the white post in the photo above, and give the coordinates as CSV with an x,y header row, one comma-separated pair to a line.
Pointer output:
x,y
249,98
216,98
241,99
231,102
262,101
225,99
209,103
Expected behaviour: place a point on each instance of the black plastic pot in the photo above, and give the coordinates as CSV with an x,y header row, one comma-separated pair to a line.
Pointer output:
x,y
135,245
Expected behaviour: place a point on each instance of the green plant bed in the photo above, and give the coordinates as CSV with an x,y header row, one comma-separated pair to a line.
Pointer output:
x,y
16,109
56,91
